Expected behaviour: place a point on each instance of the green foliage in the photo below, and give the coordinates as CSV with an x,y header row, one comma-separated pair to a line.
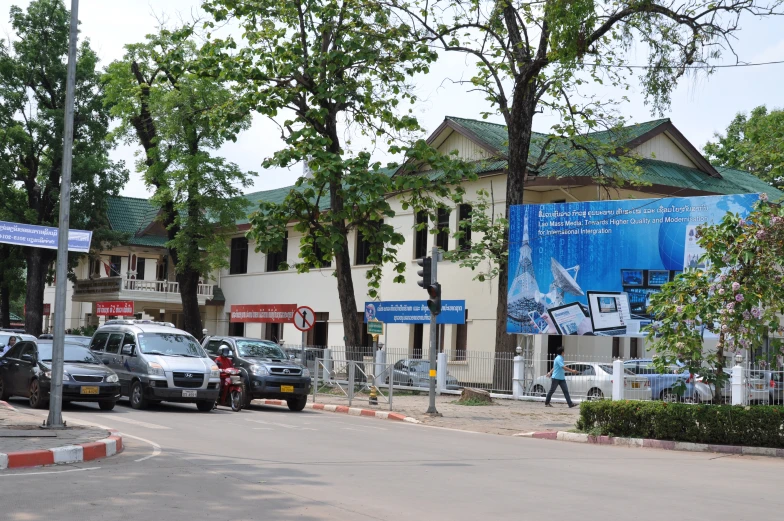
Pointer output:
x,y
753,143
739,295
758,426
181,119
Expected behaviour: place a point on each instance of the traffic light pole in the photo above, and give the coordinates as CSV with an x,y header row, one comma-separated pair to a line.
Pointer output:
x,y
431,410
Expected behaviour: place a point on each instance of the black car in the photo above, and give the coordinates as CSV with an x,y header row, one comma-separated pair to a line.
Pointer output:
x,y
266,370
26,370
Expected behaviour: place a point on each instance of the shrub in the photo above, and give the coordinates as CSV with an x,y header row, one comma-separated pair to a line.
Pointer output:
x,y
758,426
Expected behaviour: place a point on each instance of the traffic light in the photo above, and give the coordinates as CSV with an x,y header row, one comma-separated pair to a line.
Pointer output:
x,y
434,302
424,272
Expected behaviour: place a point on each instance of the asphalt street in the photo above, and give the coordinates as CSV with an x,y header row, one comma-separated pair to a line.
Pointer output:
x,y
272,464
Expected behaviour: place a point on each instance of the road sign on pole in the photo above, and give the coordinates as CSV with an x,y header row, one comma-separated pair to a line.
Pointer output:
x,y
375,328
304,320
431,410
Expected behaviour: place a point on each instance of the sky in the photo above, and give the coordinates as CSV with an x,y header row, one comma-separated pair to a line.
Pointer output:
x,y
700,105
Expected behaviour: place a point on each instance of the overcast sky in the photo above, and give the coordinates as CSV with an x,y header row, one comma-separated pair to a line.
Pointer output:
x,y
699,108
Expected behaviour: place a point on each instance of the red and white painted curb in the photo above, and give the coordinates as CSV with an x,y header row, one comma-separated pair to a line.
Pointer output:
x,y
60,455
646,443
353,411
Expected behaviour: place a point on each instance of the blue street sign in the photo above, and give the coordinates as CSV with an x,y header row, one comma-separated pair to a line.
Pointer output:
x,y
414,312
42,237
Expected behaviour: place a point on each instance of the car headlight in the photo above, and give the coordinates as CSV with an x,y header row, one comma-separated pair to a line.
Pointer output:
x,y
259,370
306,373
66,376
112,379
47,374
214,371
155,368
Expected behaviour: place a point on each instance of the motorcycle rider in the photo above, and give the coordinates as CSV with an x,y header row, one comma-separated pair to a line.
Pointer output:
x,y
224,362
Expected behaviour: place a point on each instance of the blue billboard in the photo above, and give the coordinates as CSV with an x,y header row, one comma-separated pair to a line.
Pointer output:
x,y
414,312
43,237
590,268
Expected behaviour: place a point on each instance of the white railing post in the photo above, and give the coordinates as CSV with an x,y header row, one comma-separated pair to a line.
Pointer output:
x,y
617,381
328,365
518,375
738,394
380,367
441,373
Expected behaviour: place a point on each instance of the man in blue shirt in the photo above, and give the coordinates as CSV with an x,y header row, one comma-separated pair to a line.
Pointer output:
x,y
558,378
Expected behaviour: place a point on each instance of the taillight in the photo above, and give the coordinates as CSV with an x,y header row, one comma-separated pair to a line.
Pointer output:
x,y
772,384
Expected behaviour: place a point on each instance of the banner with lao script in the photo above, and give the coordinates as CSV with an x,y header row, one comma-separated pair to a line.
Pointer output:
x,y
43,237
590,268
414,312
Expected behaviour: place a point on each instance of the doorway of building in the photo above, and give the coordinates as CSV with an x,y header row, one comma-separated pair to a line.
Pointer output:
x,y
553,343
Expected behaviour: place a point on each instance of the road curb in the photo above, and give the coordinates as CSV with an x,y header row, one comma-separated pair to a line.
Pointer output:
x,y
646,443
353,411
109,446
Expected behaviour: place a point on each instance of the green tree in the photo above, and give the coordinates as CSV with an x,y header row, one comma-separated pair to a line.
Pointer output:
x,y
180,119
333,68
753,143
739,296
12,284
32,99
534,56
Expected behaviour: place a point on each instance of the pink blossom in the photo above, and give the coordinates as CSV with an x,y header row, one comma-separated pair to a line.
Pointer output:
x,y
739,297
760,234
764,197
735,286
721,291
679,309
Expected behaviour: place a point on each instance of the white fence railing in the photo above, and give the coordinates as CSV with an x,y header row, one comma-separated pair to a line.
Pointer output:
x,y
162,286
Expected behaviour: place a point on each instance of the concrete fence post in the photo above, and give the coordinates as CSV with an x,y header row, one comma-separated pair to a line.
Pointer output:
x,y
379,371
328,365
617,381
738,392
518,376
441,373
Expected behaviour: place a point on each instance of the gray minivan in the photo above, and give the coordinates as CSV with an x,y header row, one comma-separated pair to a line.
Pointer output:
x,y
156,362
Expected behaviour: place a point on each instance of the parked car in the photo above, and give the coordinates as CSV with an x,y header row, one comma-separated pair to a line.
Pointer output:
x,y
594,381
416,373
157,362
266,370
26,371
665,386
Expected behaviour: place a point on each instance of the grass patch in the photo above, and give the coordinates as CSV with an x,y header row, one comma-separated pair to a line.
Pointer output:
x,y
472,402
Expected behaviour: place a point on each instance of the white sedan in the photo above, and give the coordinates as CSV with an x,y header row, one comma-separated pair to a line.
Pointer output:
x,y
593,381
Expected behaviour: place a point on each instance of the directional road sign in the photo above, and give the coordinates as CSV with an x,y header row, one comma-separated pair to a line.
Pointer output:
x,y
304,318
375,328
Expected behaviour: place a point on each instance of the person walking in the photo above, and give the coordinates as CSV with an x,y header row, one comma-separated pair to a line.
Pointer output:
x,y
558,378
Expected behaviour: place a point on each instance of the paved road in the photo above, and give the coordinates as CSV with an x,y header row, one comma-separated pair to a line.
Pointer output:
x,y
268,463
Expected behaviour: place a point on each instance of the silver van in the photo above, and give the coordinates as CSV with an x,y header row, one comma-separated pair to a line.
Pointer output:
x,y
157,362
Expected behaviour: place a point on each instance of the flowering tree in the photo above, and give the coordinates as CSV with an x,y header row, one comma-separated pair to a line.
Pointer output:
x,y
739,295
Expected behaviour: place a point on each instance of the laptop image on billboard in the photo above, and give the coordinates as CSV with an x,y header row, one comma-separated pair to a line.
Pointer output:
x,y
609,312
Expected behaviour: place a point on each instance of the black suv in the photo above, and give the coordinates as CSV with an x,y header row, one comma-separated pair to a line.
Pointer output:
x,y
267,372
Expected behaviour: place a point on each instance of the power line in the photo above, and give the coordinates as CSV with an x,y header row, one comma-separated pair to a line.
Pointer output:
x,y
728,66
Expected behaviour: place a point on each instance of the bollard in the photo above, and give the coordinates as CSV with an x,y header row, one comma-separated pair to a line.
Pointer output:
x,y
441,373
518,372
738,391
617,380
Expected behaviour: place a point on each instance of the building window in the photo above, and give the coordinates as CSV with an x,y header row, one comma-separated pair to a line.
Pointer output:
x,y
163,268
442,237
616,347
363,246
420,236
95,267
239,256
464,225
634,348
237,329
140,266
273,332
461,340
275,259
318,335
416,351
115,261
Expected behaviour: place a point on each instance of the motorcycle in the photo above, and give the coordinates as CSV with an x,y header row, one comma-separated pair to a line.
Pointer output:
x,y
230,389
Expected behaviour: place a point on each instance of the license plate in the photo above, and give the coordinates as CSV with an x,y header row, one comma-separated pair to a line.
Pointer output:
x,y
759,386
287,388
89,390
189,394
635,385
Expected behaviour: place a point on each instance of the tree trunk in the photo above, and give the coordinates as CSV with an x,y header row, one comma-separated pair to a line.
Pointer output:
x,y
5,303
519,127
189,286
38,261
717,387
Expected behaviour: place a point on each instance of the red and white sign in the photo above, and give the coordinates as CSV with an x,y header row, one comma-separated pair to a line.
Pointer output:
x,y
47,310
304,318
266,313
119,308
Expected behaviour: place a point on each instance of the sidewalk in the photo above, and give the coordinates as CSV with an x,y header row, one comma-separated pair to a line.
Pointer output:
x,y
23,443
504,416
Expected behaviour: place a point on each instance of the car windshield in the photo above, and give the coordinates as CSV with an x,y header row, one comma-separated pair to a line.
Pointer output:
x,y
74,354
258,349
81,340
170,344
609,370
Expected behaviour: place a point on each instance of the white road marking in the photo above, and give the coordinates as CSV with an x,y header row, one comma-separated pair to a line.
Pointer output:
x,y
140,423
284,425
16,474
156,449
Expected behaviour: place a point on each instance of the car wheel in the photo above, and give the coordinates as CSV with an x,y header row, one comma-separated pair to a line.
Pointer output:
x,y
138,400
236,401
670,396
205,405
297,404
538,390
595,394
106,405
37,400
4,394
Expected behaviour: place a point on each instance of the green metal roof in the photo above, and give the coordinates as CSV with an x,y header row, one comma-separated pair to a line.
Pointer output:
x,y
130,215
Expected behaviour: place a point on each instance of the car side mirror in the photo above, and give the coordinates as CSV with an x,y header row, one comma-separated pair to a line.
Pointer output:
x,y
129,350
27,358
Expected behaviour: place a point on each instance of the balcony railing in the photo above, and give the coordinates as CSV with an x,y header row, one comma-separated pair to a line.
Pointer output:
x,y
118,285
